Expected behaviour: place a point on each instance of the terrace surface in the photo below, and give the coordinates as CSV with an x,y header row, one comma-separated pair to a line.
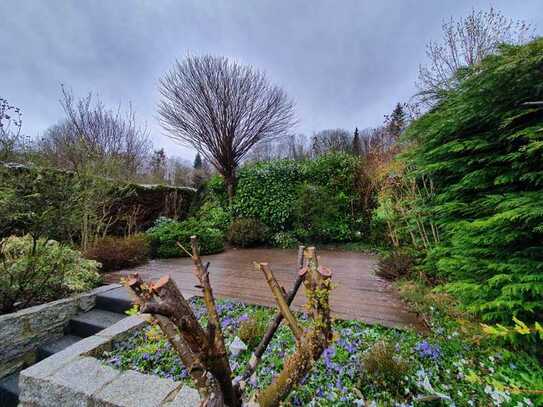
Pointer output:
x,y
358,293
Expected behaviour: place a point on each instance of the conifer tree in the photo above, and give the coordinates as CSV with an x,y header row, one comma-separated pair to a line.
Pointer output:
x,y
197,162
357,149
482,147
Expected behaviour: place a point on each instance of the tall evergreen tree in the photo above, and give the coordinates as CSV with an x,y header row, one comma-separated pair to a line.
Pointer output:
x,y
357,148
482,148
395,123
197,162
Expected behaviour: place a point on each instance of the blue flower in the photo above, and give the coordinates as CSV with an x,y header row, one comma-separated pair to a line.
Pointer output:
x,y
426,350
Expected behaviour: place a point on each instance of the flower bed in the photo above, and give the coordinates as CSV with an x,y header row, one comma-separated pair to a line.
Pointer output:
x,y
366,365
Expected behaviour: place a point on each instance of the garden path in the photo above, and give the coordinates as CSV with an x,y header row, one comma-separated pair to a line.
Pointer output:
x,y
358,294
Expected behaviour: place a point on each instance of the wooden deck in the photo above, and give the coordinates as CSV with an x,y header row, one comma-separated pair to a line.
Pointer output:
x,y
358,294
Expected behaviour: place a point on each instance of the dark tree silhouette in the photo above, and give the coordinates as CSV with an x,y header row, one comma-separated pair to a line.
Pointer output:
x,y
197,162
222,109
357,148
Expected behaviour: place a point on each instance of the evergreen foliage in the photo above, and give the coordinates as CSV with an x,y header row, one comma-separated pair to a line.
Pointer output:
x,y
315,199
483,149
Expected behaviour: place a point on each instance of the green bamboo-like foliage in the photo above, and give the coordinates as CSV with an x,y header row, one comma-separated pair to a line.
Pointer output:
x,y
482,147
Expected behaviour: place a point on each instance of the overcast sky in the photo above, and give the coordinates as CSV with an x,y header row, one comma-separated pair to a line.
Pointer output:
x,y
345,63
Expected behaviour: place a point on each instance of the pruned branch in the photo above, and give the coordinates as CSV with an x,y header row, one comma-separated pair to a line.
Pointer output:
x,y
272,328
217,360
204,353
314,340
281,301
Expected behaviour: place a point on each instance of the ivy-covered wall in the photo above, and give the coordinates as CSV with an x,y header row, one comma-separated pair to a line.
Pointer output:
x,y
65,206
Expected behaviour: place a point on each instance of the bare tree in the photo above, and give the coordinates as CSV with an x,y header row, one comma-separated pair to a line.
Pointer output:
x,y
93,138
11,140
222,109
332,140
466,42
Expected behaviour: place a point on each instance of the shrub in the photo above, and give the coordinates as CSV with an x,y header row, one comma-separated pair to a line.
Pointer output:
x,y
214,215
267,191
167,232
383,368
285,240
482,149
395,265
322,216
39,270
252,330
247,232
115,253
316,197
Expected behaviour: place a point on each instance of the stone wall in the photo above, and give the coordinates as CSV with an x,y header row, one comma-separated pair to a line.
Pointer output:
x,y
22,332
74,377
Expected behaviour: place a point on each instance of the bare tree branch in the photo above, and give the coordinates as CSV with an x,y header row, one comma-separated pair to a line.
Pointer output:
x,y
466,42
222,109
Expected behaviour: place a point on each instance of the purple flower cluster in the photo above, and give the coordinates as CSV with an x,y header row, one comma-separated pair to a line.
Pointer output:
x,y
428,351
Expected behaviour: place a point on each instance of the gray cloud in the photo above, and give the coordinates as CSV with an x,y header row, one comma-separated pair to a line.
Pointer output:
x,y
345,63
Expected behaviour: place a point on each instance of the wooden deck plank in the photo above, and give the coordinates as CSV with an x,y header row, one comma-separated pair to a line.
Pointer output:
x,y
359,294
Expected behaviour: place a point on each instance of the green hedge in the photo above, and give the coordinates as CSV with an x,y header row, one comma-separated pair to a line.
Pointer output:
x,y
316,200
483,150
53,203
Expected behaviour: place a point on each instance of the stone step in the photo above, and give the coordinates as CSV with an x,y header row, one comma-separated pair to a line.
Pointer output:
x,y
57,345
91,322
9,390
116,300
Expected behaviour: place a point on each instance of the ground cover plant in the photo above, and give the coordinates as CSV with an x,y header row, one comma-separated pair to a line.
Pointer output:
x,y
365,365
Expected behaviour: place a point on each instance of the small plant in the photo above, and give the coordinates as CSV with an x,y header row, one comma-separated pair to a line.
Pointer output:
x,y
168,232
34,271
247,232
115,253
395,265
253,329
285,240
382,367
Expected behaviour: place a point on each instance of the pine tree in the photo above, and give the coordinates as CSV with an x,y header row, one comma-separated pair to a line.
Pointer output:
x,y
395,123
357,148
197,162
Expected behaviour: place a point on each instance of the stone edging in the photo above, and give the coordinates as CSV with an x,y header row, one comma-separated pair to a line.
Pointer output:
x,y
22,332
74,377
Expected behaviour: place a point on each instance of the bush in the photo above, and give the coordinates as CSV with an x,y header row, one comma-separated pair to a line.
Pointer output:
x,y
115,253
167,232
39,270
383,368
267,191
253,330
322,216
482,149
214,215
247,232
285,240
395,265
317,197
